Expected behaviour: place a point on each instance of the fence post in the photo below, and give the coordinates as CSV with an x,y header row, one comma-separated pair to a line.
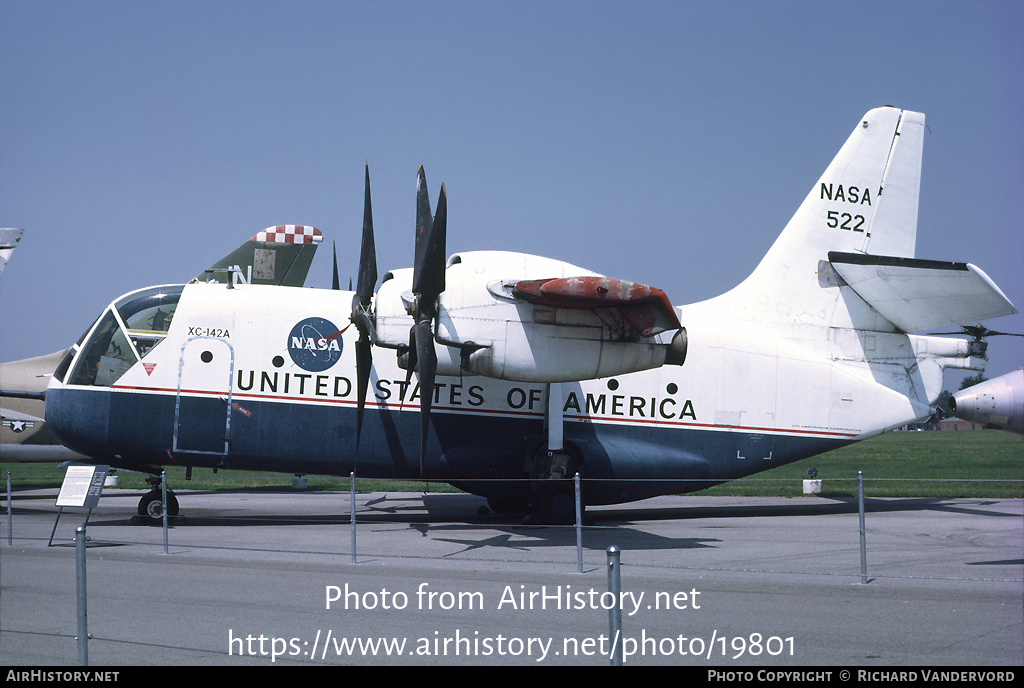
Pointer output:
x,y
579,527
10,513
83,624
615,613
863,545
163,505
352,510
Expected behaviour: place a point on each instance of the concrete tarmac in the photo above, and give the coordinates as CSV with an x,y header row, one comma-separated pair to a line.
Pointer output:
x,y
267,578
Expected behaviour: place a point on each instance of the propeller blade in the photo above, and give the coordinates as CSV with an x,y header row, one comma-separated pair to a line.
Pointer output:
x,y
440,236
426,366
980,332
336,283
428,269
364,361
367,253
361,316
427,286
993,333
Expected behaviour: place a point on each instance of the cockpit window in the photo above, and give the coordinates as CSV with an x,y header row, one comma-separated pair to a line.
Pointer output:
x,y
147,315
107,355
111,350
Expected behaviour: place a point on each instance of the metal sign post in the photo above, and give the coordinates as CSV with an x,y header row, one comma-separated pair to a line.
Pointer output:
x,y
81,488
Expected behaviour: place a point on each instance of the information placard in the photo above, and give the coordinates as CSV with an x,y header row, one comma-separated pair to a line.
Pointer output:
x,y
82,486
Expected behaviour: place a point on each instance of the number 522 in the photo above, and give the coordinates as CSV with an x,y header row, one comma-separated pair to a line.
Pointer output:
x,y
837,220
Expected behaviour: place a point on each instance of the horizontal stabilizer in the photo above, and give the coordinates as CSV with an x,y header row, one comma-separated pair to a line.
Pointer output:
x,y
917,295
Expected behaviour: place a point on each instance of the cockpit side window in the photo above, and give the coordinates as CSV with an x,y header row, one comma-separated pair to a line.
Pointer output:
x,y
65,363
149,327
106,357
148,316
62,368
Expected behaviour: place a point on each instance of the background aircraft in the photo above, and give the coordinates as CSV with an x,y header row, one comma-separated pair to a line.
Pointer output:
x,y
529,370
998,403
279,255
9,238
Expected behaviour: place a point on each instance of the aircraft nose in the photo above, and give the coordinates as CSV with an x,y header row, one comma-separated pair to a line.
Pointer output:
x,y
78,418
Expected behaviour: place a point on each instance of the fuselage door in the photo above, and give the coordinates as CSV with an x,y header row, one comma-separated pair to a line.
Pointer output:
x,y
202,409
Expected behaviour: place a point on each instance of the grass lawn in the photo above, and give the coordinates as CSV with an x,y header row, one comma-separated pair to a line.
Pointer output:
x,y
977,463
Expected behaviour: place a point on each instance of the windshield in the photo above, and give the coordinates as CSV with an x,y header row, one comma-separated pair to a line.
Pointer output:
x,y
129,329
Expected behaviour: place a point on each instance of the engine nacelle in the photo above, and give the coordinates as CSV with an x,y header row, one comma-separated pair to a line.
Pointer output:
x,y
483,327
998,403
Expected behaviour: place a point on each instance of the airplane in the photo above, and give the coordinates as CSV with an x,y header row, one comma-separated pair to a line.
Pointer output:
x,y
998,403
279,255
9,238
505,374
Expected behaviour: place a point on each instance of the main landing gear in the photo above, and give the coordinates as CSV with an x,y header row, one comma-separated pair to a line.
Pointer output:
x,y
554,487
551,499
554,468
550,465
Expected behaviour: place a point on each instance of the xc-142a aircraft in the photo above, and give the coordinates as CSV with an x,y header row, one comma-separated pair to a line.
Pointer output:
x,y
505,374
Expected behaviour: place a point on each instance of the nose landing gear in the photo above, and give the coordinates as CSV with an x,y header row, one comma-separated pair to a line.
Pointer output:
x,y
151,506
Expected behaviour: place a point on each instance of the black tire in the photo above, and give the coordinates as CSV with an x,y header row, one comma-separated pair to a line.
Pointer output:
x,y
505,505
151,506
555,503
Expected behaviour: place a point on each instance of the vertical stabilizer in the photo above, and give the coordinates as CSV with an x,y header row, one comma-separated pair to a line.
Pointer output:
x,y
279,255
865,202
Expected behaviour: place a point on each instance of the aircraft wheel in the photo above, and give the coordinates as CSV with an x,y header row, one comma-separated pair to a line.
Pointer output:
x,y
555,503
151,506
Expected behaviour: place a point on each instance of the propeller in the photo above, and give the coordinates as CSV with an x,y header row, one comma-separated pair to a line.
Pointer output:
x,y
980,332
361,313
427,286
979,347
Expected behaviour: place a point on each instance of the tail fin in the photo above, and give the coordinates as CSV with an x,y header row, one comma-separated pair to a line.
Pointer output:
x,y
278,255
866,201
8,242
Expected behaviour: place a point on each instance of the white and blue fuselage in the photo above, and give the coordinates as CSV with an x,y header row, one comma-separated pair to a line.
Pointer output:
x,y
811,352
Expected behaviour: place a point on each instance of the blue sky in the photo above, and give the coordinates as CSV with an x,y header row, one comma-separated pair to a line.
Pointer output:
x,y
664,142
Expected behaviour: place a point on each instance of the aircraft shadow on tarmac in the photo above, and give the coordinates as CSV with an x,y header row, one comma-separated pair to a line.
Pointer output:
x,y
446,516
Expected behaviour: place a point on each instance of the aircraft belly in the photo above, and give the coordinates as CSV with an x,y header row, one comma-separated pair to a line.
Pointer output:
x,y
624,462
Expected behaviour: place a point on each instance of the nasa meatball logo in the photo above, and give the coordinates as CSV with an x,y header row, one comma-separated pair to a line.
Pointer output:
x,y
315,344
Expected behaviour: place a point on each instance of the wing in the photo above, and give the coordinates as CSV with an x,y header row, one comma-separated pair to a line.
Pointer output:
x,y
514,316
